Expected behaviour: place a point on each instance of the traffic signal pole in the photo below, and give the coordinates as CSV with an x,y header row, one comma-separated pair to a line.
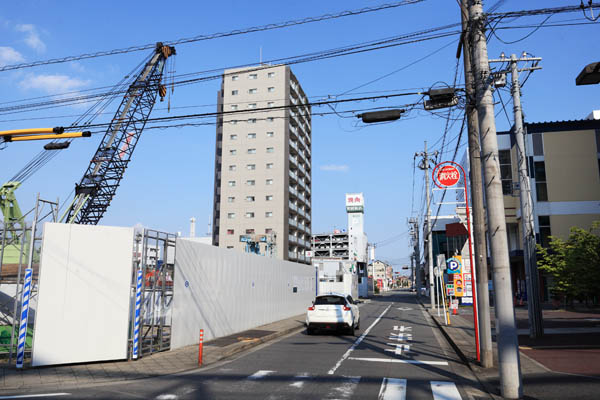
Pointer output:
x,y
506,330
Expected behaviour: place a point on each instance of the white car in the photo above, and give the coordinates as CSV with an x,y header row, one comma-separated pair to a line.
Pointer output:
x,y
333,311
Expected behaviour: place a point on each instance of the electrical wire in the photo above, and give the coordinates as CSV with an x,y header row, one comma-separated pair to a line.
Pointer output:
x,y
237,32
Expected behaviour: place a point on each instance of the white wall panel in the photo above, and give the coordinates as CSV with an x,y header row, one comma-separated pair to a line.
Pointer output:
x,y
225,291
83,304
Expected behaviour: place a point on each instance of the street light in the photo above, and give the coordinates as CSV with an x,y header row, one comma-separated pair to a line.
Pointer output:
x,y
589,75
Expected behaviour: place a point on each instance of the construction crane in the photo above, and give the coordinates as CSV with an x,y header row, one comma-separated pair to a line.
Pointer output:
x,y
103,176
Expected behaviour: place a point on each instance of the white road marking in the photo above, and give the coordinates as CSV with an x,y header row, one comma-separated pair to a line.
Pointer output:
x,y
444,391
403,328
401,336
27,396
167,396
404,308
345,390
357,342
392,389
301,378
399,348
395,360
260,374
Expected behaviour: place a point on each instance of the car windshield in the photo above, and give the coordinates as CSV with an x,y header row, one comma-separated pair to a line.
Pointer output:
x,y
330,300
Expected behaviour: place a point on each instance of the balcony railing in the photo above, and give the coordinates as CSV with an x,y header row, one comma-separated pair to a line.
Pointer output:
x,y
293,222
293,207
293,239
293,191
293,175
292,255
294,145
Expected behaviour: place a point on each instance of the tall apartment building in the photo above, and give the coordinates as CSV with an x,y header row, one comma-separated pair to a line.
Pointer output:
x,y
263,162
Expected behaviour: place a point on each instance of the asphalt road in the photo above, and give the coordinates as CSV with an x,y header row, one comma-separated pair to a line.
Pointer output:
x,y
397,353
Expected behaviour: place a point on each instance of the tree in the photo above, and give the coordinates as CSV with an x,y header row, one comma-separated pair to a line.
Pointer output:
x,y
574,264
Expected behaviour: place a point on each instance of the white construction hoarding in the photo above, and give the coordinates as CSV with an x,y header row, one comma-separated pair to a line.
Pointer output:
x,y
84,294
226,291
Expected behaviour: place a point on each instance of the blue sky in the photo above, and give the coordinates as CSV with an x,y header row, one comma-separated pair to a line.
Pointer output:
x,y
171,176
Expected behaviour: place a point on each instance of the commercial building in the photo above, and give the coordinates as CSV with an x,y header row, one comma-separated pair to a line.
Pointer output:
x,y
262,190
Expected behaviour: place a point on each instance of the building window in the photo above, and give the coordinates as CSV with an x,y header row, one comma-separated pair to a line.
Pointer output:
x,y
252,91
251,151
269,197
233,137
270,134
250,182
231,215
233,152
232,167
234,107
268,214
252,136
538,144
230,231
270,165
505,171
233,122
269,181
271,89
270,149
251,167
230,199
230,247
271,104
270,74
234,92
545,232
249,231
270,119
249,215
252,105
540,180
250,199
235,77
252,76
231,183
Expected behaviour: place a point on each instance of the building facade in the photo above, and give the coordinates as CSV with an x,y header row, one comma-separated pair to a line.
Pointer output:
x,y
262,190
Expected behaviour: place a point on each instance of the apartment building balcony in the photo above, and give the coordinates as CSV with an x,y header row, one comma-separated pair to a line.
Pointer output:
x,y
302,155
293,239
294,101
293,176
293,191
293,160
293,207
292,255
293,131
294,146
301,140
293,222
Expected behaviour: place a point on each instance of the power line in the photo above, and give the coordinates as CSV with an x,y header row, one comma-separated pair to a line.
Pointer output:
x,y
237,32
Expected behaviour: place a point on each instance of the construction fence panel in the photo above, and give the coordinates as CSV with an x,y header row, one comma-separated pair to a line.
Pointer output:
x,y
83,310
225,291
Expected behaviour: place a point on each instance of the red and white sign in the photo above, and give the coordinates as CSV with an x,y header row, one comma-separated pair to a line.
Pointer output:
x,y
448,175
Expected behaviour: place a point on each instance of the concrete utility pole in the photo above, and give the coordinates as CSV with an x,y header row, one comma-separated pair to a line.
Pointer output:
x,y
416,253
480,242
506,330
424,165
536,329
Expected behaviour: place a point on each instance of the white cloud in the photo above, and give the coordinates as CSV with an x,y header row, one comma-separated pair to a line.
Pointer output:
x,y
32,38
335,168
52,83
8,55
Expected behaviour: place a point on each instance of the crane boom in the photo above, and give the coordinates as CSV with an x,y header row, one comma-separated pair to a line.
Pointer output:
x,y
103,176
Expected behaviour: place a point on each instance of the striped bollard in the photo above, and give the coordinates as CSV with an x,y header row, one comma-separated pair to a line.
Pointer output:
x,y
200,347
136,323
24,317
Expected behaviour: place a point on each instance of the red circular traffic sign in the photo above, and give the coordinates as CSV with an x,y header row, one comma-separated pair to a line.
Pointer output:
x,y
448,175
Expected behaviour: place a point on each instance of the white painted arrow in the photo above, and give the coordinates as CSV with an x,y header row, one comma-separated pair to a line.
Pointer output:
x,y
403,328
401,336
403,308
399,348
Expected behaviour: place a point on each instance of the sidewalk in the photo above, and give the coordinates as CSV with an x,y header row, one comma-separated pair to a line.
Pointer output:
x,y
567,355
160,364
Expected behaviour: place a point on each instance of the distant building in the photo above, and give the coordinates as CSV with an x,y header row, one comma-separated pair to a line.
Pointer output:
x,y
263,163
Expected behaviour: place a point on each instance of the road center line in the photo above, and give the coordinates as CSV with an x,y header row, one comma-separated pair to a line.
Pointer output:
x,y
27,396
357,342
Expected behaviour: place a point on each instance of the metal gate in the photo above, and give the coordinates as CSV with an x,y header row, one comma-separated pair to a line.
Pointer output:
x,y
152,293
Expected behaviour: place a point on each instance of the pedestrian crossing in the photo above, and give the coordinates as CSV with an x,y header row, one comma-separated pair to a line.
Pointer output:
x,y
275,386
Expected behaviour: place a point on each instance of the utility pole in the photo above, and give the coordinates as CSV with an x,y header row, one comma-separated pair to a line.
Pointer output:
x,y
506,330
424,165
536,329
480,242
416,253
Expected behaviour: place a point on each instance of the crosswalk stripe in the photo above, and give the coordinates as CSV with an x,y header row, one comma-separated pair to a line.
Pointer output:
x,y
260,374
395,360
444,391
392,389
345,390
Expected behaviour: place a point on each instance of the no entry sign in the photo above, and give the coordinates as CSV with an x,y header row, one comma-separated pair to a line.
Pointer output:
x,y
447,175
